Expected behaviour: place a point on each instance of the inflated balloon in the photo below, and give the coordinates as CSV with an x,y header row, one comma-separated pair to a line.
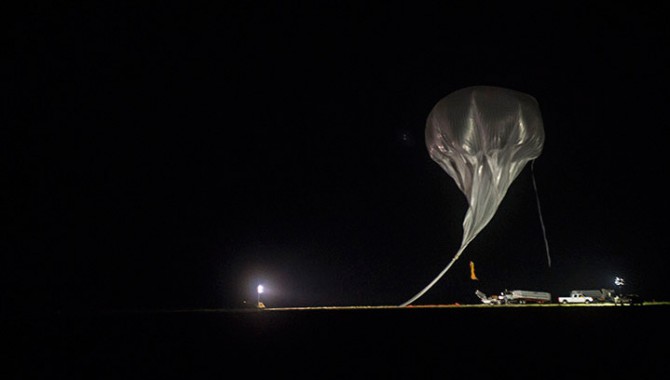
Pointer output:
x,y
483,136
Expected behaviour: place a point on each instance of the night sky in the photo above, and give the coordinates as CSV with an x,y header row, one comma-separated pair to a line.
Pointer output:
x,y
177,154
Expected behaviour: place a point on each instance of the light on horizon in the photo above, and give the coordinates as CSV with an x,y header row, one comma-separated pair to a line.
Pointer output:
x,y
259,289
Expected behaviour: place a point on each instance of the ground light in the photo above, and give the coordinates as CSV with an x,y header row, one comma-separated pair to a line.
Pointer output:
x,y
619,282
260,291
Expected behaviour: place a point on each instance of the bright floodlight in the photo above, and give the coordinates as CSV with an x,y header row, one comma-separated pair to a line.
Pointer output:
x,y
260,290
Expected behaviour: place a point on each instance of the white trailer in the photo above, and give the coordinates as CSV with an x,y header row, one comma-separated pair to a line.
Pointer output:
x,y
515,297
526,296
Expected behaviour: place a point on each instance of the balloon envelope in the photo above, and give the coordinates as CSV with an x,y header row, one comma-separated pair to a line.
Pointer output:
x,y
483,136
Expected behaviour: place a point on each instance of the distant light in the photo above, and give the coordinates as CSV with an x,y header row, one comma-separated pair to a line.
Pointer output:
x,y
618,281
260,289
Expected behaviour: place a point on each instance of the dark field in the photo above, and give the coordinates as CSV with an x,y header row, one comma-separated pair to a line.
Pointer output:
x,y
543,342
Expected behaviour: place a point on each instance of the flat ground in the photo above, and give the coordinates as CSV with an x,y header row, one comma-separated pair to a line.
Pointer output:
x,y
457,305
426,341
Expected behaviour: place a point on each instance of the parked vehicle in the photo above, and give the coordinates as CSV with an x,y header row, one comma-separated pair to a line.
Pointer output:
x,y
515,297
489,300
628,299
526,296
575,297
598,295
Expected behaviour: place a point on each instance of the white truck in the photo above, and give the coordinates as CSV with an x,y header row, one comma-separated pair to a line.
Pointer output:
x,y
575,297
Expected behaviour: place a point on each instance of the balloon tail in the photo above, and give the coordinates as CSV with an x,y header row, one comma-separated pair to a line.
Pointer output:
x,y
436,278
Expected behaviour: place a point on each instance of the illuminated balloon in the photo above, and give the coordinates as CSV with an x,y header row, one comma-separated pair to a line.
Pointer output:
x,y
483,137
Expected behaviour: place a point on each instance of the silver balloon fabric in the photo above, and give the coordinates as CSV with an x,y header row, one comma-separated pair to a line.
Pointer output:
x,y
483,136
